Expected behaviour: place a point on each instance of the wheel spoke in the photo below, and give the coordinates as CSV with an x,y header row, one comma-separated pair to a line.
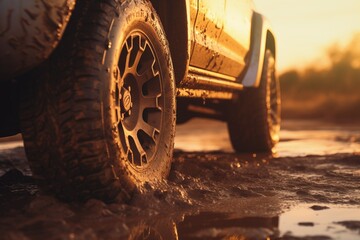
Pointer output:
x,y
148,74
118,115
140,152
116,74
274,116
273,90
151,102
127,62
137,58
129,47
124,137
274,101
141,46
149,130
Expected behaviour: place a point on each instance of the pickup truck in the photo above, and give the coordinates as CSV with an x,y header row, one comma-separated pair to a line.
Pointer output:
x,y
96,87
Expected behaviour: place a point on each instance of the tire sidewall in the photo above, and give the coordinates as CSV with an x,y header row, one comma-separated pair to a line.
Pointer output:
x,y
249,122
269,77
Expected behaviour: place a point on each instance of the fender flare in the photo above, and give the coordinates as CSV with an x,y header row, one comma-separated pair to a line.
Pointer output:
x,y
262,38
29,32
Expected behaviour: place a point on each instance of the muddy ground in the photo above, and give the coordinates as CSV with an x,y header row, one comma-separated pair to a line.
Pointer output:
x,y
308,189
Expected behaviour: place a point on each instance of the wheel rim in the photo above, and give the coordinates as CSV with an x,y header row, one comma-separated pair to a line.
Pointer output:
x,y
274,106
140,99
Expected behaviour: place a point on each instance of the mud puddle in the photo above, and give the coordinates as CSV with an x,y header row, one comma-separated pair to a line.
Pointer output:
x,y
298,138
326,221
211,193
301,222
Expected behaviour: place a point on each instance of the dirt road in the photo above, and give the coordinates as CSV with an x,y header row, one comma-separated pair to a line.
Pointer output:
x,y
308,189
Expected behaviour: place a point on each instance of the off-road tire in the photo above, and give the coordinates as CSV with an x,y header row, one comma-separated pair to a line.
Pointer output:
x,y
254,116
74,116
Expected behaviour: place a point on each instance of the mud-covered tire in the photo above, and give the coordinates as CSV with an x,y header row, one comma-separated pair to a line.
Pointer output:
x,y
98,120
254,116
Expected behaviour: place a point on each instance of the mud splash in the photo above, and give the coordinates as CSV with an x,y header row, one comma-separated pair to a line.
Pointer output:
x,y
209,195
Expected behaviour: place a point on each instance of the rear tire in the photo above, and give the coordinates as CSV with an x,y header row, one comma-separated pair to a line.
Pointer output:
x,y
254,117
99,120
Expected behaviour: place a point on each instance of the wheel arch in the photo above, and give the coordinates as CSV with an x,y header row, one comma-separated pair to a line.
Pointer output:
x,y
271,42
262,38
30,31
175,18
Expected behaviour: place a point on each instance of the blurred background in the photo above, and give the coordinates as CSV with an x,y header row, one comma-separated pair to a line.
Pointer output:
x,y
318,59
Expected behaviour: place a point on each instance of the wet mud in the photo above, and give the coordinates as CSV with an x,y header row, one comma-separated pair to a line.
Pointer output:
x,y
211,193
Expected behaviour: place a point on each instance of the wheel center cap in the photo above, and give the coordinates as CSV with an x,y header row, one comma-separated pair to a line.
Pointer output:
x,y
126,102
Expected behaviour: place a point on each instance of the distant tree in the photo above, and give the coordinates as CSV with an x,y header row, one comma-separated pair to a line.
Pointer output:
x,y
290,79
331,92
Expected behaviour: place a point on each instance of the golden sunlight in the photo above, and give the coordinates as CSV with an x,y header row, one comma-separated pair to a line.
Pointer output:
x,y
306,29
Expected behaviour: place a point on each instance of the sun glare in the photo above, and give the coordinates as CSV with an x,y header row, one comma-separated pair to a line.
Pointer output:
x,y
305,29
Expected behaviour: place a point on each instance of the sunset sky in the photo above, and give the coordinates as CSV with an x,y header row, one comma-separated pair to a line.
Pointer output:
x,y
306,28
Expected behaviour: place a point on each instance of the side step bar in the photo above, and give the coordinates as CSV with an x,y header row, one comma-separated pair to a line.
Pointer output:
x,y
204,84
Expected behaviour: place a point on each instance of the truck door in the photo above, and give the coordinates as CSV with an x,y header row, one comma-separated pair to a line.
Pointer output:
x,y
208,26
235,37
222,36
